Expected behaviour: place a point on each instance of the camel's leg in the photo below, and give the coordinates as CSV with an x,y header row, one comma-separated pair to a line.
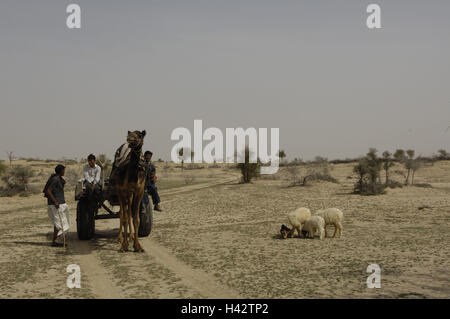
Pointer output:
x,y
129,226
136,221
125,219
119,238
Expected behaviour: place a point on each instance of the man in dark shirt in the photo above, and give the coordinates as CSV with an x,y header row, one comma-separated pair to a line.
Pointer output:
x,y
151,179
58,210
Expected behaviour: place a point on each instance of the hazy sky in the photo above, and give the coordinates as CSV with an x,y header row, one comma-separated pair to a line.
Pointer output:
x,y
311,68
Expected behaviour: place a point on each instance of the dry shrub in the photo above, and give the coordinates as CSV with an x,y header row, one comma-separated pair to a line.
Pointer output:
x,y
189,179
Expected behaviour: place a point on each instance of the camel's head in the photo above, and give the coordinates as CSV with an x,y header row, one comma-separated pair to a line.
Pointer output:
x,y
284,231
136,139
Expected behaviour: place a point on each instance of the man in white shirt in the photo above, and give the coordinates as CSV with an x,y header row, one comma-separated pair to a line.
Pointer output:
x,y
92,173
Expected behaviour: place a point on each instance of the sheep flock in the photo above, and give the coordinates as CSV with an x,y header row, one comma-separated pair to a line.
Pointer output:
x,y
308,225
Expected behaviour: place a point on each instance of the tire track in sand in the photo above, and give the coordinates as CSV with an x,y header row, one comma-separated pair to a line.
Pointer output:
x,y
201,282
102,284
98,279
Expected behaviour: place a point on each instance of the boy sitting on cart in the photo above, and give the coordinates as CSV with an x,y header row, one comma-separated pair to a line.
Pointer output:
x,y
92,173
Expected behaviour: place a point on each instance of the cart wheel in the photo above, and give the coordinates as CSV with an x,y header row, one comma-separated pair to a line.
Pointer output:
x,y
146,220
85,220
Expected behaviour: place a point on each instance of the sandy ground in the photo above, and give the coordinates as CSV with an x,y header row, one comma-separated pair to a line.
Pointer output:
x,y
219,239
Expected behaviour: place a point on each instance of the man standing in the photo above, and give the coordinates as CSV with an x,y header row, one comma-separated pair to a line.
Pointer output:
x,y
92,173
58,210
151,180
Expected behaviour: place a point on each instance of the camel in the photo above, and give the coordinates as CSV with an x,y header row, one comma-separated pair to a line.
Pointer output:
x,y
129,178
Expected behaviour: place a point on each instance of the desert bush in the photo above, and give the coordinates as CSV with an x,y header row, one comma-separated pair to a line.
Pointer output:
x,y
214,165
249,170
387,164
17,179
368,170
68,161
318,170
2,168
183,154
344,161
425,185
321,177
30,159
189,179
394,184
293,174
296,161
270,177
193,166
71,176
443,155
282,156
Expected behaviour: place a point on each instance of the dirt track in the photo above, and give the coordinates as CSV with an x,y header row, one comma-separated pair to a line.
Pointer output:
x,y
200,283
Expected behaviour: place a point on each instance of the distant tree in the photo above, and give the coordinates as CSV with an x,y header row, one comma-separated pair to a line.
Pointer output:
x,y
282,155
182,153
361,169
105,163
443,154
249,170
368,170
374,167
408,162
11,157
399,155
415,166
387,164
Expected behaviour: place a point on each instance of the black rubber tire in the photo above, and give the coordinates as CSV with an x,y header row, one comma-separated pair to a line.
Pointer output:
x,y
85,220
146,220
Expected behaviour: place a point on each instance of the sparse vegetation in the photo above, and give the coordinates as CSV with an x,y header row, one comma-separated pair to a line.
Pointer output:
x,y
368,170
282,156
387,164
11,157
183,153
249,170
317,170
17,179
410,163
2,168
71,177
189,179
443,155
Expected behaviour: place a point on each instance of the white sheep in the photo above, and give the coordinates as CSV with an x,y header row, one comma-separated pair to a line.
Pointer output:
x,y
313,225
332,216
296,218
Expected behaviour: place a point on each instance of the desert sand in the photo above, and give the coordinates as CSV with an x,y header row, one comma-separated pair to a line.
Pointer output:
x,y
217,238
